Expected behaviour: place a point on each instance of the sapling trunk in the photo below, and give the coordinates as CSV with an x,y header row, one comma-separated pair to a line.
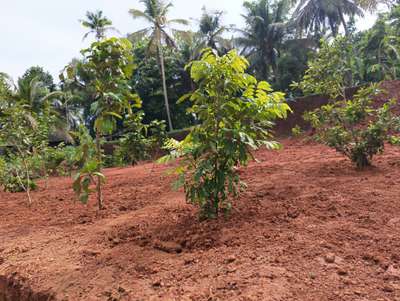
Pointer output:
x,y
99,179
27,187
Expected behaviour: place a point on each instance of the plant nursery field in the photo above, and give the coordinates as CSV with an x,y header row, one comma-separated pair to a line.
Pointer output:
x,y
309,227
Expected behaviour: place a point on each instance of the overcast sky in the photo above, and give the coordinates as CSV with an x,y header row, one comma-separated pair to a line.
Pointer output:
x,y
47,32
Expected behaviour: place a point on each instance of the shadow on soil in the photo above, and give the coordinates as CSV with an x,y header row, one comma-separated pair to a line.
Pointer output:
x,y
14,289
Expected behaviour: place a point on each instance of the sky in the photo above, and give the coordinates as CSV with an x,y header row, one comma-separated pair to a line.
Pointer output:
x,y
48,32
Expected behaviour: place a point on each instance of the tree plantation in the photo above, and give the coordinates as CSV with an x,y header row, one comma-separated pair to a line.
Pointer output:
x,y
191,159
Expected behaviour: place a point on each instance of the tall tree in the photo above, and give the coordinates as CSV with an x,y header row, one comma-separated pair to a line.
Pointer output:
x,y
262,37
318,15
98,24
36,93
156,14
37,72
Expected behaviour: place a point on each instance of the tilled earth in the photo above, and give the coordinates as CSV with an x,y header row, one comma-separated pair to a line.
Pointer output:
x,y
309,227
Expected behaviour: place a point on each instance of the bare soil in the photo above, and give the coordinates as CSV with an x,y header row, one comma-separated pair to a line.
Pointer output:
x,y
309,227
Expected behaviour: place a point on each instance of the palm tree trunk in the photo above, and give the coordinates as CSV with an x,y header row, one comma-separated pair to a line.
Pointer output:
x,y
342,19
164,82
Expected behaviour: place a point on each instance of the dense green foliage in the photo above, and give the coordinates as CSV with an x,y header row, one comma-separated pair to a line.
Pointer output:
x,y
235,113
156,15
146,82
379,48
140,141
263,36
332,70
42,76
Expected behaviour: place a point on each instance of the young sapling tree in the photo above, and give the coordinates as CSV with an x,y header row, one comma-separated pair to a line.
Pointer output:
x,y
235,114
109,64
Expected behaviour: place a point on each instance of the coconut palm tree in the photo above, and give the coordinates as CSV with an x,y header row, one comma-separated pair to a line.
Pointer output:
x,y
38,100
98,24
35,95
318,15
156,14
211,30
263,34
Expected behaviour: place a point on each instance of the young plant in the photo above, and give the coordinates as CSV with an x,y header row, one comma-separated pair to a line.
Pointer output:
x,y
354,127
235,114
109,64
89,166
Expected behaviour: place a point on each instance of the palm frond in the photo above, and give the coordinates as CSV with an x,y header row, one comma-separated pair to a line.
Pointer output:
x,y
138,14
139,35
178,21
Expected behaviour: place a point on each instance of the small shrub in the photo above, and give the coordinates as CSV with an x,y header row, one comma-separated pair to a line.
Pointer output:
x,y
60,160
354,127
13,177
68,165
394,140
25,133
14,184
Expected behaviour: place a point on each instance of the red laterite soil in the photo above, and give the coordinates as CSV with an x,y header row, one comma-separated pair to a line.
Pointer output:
x,y
309,227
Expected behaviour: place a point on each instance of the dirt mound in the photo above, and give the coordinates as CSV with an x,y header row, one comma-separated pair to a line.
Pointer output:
x,y
309,227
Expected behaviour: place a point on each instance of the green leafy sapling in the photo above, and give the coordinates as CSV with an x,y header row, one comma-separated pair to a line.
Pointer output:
x,y
235,114
109,63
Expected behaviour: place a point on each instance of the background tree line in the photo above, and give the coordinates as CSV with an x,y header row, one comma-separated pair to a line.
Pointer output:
x,y
278,39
